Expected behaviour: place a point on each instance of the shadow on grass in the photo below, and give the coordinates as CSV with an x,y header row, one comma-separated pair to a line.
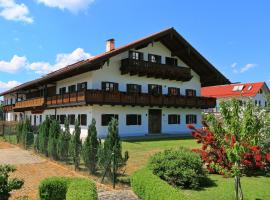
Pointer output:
x,y
150,138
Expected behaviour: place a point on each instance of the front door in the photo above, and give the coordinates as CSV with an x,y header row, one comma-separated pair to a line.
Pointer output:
x,y
154,121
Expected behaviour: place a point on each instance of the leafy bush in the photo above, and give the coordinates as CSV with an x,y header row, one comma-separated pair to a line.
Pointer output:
x,y
181,168
7,184
60,188
150,187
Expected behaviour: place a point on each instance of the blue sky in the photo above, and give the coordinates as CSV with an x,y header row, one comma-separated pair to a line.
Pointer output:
x,y
38,36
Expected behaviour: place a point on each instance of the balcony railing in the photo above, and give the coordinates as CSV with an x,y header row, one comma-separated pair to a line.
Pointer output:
x,y
67,99
144,99
30,103
8,108
156,70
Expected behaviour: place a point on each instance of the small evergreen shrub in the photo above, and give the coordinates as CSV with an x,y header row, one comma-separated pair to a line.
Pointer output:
x,y
61,188
76,145
54,133
181,168
150,187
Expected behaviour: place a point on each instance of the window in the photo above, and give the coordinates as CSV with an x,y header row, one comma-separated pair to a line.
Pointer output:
x,y
71,119
109,86
190,93
134,88
62,90
191,119
154,58
260,92
72,88
154,89
249,87
171,61
35,120
136,55
133,119
174,91
173,119
256,103
62,119
106,118
259,103
82,86
237,88
40,119
82,119
265,104
31,119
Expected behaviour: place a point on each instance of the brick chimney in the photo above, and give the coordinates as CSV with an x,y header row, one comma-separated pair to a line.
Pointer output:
x,y
110,45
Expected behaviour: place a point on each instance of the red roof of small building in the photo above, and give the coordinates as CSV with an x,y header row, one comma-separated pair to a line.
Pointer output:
x,y
223,91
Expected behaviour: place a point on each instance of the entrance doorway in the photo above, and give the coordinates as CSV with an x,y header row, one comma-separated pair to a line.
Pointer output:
x,y
154,121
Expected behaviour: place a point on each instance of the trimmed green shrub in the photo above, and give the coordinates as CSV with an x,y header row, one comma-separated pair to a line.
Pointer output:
x,y
150,187
76,145
43,135
63,142
54,133
181,168
67,188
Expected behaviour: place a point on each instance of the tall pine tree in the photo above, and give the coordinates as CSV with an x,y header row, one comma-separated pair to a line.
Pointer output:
x,y
63,142
54,133
90,148
76,145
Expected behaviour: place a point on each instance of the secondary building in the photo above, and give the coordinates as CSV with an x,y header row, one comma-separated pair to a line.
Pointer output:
x,y
152,85
256,92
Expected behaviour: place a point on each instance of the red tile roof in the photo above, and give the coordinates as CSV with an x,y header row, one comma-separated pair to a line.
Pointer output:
x,y
223,91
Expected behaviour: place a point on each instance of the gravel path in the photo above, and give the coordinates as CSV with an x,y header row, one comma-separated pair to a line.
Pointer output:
x,y
117,195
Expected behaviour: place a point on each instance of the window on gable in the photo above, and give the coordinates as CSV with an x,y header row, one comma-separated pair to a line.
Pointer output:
x,y
154,58
72,88
135,55
191,119
106,118
174,91
133,119
82,86
109,86
190,93
173,119
134,88
154,89
171,61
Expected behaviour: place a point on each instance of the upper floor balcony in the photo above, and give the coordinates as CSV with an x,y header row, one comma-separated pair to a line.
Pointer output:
x,y
123,98
30,103
8,108
155,70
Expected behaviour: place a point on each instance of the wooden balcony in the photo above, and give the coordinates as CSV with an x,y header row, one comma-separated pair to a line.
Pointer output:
x,y
8,108
30,103
67,99
123,98
150,69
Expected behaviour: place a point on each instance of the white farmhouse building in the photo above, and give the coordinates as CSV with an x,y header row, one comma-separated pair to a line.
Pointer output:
x,y
256,92
152,85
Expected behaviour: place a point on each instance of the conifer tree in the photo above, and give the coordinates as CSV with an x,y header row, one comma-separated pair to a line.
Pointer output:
x,y
27,134
63,142
43,135
76,145
90,148
54,132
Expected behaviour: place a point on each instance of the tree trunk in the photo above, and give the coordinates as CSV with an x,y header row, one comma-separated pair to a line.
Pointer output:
x,y
238,193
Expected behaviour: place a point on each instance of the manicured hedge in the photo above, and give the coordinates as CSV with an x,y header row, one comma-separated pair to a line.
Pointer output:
x,y
61,188
150,187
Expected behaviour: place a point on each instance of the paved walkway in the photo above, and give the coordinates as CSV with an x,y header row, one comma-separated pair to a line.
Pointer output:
x,y
33,168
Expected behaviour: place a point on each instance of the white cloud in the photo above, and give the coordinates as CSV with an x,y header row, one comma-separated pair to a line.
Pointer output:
x,y
62,60
15,64
247,67
8,85
71,5
10,10
233,65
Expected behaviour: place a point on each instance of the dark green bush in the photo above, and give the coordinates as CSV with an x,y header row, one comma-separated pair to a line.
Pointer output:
x,y
150,187
61,188
181,168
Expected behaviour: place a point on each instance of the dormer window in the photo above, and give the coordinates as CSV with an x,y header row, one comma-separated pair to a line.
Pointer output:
x,y
154,58
109,86
135,55
171,61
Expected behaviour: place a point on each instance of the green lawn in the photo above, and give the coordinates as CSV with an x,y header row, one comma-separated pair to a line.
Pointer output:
x,y
254,188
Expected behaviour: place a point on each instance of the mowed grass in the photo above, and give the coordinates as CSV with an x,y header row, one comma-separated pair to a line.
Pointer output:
x,y
254,188
141,150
